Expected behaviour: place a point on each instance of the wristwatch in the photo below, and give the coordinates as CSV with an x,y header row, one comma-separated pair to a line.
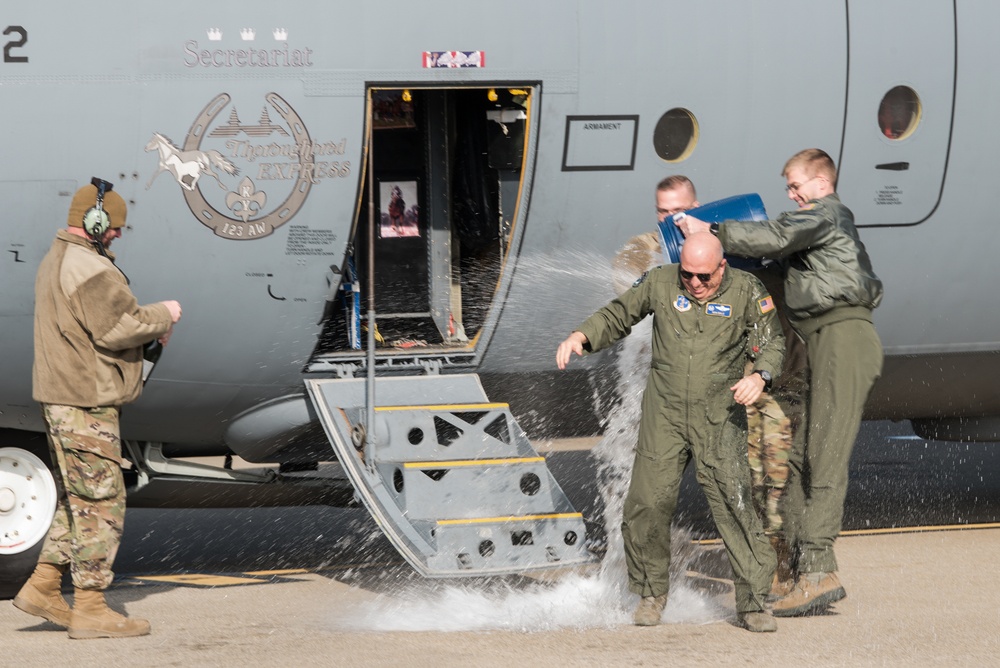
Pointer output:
x,y
766,376
714,228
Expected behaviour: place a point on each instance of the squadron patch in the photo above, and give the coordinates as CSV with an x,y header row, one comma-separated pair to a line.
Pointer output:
x,y
682,303
713,308
639,280
766,304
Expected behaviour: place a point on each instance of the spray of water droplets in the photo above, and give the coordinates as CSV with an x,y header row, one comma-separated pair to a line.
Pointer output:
x,y
598,600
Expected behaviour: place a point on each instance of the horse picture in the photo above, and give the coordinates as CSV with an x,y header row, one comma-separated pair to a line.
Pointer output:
x,y
188,166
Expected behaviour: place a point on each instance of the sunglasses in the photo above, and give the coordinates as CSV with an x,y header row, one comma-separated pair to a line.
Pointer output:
x,y
704,278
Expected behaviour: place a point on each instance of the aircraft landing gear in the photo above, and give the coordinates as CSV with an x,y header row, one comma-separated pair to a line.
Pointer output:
x,y
27,504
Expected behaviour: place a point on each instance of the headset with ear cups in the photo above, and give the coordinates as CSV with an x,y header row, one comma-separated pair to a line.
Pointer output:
x,y
96,221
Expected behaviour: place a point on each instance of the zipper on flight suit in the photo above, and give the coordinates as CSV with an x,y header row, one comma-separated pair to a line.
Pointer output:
x,y
691,348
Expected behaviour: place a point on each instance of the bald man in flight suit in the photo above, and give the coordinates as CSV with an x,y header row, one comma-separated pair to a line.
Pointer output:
x,y
707,318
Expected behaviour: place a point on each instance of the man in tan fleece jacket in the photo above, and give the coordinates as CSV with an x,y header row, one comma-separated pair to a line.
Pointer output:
x,y
89,337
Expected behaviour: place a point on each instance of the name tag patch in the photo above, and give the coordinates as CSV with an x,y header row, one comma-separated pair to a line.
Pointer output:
x,y
713,308
682,303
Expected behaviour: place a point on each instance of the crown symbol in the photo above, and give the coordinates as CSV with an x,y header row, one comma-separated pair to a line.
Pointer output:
x,y
280,34
214,34
248,34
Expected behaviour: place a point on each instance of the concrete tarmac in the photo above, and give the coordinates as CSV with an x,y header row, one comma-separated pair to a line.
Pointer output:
x,y
322,586
913,600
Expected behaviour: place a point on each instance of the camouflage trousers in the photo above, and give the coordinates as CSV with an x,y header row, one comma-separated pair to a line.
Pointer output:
x,y
769,440
90,514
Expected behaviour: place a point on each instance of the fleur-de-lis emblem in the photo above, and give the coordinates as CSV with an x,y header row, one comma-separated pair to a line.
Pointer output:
x,y
246,201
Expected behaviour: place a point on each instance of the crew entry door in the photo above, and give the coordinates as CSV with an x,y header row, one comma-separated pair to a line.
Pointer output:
x,y
444,181
900,96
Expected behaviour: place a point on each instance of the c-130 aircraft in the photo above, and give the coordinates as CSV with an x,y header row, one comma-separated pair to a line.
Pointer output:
x,y
292,168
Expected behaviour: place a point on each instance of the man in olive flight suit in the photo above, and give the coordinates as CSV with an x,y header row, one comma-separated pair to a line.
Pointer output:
x,y
830,291
776,416
707,320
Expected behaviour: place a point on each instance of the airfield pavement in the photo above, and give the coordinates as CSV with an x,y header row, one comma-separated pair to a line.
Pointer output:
x,y
322,586
913,599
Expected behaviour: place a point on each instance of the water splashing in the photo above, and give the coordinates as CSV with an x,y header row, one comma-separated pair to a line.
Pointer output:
x,y
598,600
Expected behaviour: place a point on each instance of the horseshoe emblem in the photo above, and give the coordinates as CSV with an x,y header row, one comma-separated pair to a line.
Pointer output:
x,y
246,201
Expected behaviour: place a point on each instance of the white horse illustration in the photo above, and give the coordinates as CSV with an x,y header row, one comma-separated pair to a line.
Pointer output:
x,y
187,166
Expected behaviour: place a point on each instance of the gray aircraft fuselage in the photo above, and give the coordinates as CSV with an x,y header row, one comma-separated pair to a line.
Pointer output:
x,y
256,145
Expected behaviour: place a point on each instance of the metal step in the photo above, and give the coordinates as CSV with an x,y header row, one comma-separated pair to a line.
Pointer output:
x,y
453,482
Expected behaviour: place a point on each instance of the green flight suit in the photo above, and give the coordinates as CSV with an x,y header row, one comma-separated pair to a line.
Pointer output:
x,y
830,290
688,412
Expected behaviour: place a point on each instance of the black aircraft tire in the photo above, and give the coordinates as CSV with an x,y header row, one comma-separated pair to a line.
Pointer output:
x,y
27,504
15,569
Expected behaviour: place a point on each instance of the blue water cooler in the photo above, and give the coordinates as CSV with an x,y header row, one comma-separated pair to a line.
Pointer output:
x,y
737,207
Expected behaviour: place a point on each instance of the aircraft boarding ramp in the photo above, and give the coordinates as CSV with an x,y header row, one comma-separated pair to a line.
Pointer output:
x,y
453,481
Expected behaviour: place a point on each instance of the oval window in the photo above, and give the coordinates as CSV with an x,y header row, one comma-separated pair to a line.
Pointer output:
x,y
899,113
676,135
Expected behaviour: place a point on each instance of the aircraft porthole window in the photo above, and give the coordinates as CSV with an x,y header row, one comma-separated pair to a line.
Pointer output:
x,y
899,113
675,135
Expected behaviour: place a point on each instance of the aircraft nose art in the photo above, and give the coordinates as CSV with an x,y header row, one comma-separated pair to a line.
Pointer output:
x,y
450,478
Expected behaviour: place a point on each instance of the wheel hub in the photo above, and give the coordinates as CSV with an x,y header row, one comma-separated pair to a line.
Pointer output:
x,y
27,500
7,500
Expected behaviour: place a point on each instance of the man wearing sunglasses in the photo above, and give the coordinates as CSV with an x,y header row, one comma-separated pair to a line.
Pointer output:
x,y
708,320
772,419
830,291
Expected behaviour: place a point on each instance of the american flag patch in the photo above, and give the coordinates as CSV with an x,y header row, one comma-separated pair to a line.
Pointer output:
x,y
766,304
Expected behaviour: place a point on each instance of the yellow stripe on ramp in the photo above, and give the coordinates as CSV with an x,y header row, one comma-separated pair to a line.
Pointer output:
x,y
449,408
512,518
472,462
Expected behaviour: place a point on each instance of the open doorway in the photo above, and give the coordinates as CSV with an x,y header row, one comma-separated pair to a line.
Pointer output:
x,y
441,190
